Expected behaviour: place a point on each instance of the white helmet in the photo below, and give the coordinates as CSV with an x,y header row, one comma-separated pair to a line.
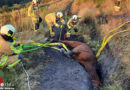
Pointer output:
x,y
59,14
75,17
7,30
35,1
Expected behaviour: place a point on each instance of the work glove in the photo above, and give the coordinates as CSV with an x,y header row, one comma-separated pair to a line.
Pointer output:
x,y
20,56
17,48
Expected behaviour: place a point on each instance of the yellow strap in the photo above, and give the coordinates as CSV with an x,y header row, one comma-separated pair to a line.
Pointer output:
x,y
56,48
115,29
35,43
51,44
53,48
65,47
106,38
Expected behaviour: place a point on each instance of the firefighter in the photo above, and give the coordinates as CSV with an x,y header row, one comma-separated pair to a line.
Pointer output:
x,y
73,23
117,5
52,20
8,58
33,12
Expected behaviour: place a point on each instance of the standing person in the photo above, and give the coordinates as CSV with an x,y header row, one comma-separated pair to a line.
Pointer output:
x,y
7,57
52,20
33,12
117,5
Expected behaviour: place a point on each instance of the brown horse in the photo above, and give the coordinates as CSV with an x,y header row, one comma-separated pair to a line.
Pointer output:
x,y
84,55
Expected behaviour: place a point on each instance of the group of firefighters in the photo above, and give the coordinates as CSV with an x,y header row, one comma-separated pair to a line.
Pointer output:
x,y
9,55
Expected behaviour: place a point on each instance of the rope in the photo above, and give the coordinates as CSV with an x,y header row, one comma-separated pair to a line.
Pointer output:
x,y
29,88
106,39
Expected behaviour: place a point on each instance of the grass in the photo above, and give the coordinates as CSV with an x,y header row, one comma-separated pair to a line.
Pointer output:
x,y
111,87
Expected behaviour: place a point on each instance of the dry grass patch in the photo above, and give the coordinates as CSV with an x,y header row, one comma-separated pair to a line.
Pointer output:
x,y
59,6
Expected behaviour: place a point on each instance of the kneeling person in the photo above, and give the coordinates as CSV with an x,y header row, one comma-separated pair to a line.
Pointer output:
x,y
7,49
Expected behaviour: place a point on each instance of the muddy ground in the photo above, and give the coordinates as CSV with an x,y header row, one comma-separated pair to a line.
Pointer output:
x,y
54,71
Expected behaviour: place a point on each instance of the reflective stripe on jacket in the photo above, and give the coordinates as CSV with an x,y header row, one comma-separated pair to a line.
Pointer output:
x,y
33,13
3,60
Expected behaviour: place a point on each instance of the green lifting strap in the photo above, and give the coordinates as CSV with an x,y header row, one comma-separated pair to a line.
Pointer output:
x,y
29,46
29,50
18,51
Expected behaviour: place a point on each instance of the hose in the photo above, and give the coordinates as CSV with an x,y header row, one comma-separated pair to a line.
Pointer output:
x,y
106,39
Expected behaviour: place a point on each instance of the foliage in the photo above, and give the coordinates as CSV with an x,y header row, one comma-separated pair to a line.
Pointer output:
x,y
111,87
5,8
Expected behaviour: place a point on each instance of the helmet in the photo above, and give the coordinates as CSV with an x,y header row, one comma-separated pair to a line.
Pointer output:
x,y
7,30
75,17
35,1
59,14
